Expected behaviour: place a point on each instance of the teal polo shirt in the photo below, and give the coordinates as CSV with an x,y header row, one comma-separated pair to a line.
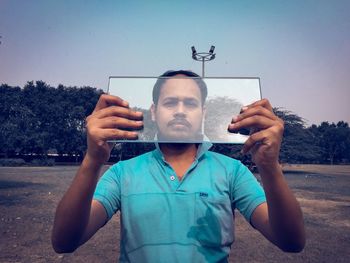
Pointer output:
x,y
164,219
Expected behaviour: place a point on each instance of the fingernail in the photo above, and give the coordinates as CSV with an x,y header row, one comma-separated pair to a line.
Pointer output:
x,y
235,118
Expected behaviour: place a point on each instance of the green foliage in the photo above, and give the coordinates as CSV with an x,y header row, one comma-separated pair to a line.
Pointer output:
x,y
40,119
334,140
298,143
326,143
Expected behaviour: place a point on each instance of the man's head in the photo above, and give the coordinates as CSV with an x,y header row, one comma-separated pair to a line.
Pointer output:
x,y
184,73
178,106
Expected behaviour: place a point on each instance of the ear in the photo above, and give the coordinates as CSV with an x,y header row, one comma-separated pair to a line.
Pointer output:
x,y
153,112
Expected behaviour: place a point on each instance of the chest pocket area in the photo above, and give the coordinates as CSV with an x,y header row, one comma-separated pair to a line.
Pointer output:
x,y
155,219
214,224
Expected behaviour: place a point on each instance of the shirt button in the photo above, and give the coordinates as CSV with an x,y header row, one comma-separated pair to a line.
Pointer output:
x,y
172,178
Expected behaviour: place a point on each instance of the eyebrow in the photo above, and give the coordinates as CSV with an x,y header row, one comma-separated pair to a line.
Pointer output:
x,y
183,98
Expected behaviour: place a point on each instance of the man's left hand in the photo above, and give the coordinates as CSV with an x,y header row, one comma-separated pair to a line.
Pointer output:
x,y
266,135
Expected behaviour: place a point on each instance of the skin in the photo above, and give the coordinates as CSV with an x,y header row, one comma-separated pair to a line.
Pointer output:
x,y
179,111
78,217
280,219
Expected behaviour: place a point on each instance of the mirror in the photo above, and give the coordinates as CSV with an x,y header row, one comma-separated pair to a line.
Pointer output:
x,y
187,109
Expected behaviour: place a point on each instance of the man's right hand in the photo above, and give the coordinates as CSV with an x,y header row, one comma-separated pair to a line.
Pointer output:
x,y
78,217
110,120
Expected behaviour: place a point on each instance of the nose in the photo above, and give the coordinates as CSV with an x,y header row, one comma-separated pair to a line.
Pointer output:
x,y
180,110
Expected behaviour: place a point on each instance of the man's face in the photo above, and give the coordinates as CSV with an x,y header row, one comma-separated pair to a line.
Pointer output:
x,y
179,111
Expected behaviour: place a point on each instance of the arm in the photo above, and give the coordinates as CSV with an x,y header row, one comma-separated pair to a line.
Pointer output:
x,y
78,217
280,219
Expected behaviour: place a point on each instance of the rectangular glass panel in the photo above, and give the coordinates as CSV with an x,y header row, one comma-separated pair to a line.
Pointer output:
x,y
179,113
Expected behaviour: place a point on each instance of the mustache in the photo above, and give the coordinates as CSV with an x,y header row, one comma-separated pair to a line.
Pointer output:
x,y
180,121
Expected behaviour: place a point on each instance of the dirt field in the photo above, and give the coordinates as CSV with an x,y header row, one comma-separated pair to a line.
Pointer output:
x,y
29,195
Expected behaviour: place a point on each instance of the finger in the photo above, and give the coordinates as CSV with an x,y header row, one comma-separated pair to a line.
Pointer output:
x,y
254,139
116,134
107,100
263,103
258,110
116,122
256,121
120,112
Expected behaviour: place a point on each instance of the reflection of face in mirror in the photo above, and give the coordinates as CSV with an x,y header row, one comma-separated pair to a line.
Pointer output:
x,y
179,110
220,100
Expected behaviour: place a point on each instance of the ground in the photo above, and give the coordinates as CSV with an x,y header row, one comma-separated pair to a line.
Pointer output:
x,y
29,196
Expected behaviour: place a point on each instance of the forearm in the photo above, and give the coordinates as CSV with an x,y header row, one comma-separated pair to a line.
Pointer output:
x,y
284,212
72,214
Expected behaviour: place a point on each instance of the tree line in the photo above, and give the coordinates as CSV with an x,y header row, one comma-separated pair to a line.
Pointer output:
x,y
39,121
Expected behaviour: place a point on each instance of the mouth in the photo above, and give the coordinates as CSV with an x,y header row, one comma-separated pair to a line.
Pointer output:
x,y
179,123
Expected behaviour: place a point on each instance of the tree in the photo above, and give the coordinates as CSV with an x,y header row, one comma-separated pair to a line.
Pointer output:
x,y
13,118
39,119
333,139
219,113
298,145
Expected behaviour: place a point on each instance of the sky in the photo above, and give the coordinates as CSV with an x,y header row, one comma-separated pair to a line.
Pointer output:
x,y
299,49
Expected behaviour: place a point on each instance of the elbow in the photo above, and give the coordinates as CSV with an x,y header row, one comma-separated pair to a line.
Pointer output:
x,y
62,247
293,249
61,250
296,246
62,242
293,241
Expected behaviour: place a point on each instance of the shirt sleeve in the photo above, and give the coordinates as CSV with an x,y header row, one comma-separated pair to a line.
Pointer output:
x,y
247,191
107,191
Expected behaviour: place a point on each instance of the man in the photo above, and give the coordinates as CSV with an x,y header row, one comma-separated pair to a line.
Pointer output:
x,y
177,201
178,106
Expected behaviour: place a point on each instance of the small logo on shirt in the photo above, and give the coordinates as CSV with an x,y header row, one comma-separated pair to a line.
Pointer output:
x,y
202,194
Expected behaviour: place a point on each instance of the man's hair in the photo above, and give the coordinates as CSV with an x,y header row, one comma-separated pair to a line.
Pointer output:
x,y
171,73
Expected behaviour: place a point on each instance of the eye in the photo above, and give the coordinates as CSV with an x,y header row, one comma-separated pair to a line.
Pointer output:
x,y
191,103
169,103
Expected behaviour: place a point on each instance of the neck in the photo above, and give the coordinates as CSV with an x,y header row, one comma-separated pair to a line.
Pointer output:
x,y
178,151
180,156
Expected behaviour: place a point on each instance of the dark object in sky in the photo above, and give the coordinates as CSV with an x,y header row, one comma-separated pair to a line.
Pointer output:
x,y
211,51
194,52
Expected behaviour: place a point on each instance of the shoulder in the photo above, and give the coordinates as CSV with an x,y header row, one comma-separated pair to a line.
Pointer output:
x,y
135,163
234,169
132,161
221,159
143,158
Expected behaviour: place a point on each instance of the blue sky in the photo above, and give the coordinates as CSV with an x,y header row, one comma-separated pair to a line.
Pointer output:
x,y
299,49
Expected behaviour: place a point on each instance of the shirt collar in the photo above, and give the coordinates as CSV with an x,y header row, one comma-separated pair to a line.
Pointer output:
x,y
201,150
